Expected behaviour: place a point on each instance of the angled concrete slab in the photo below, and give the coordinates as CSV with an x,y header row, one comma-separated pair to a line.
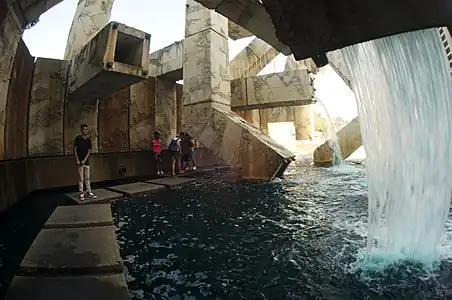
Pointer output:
x,y
172,181
73,251
80,216
167,62
136,188
103,196
111,287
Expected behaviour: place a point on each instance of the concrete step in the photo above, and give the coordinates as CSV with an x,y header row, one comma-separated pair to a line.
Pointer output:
x,y
136,188
80,216
173,181
103,196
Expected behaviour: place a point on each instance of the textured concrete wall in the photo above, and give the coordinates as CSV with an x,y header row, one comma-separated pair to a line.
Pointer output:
x,y
41,123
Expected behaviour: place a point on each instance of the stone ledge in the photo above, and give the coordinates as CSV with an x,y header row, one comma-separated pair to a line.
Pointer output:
x,y
136,188
80,216
103,196
108,287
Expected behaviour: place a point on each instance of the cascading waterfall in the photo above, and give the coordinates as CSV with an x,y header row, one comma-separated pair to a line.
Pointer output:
x,y
404,94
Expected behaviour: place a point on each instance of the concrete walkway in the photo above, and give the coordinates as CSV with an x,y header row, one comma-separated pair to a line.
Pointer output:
x,y
74,257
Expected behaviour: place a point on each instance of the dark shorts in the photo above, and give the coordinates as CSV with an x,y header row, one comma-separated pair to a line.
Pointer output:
x,y
158,156
175,154
188,156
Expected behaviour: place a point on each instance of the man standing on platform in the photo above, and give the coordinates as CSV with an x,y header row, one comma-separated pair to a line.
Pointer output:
x,y
82,151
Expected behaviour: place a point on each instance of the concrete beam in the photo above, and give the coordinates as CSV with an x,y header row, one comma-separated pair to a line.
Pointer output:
x,y
167,62
117,57
251,15
251,60
237,32
310,28
289,88
28,12
337,62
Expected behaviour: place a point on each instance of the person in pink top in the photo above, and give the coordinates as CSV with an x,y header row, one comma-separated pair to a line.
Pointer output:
x,y
157,149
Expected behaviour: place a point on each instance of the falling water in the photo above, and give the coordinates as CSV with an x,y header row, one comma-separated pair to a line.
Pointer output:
x,y
404,96
332,141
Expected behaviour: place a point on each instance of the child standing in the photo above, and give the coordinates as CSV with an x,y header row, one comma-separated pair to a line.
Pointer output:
x,y
157,149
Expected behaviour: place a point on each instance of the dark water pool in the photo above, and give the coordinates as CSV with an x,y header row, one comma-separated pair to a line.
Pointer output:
x,y
297,238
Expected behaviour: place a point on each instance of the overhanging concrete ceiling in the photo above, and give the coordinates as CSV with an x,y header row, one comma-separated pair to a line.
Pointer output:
x,y
314,27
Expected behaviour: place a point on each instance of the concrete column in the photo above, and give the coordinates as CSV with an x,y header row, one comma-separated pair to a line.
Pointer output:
x,y
90,17
263,120
303,122
207,99
179,107
252,116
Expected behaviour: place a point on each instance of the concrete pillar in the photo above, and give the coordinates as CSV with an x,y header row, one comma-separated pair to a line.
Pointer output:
x,y
207,99
303,123
252,116
179,107
90,17
263,120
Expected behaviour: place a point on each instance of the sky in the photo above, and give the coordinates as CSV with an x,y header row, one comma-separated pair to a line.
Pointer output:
x,y
165,21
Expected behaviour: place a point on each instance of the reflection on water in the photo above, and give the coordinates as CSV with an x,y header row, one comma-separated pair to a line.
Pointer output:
x,y
297,238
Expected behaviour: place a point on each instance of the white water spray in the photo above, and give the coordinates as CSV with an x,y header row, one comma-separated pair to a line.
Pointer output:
x,y
404,94
332,140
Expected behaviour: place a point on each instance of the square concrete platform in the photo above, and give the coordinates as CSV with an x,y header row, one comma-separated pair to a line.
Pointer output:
x,y
73,251
136,188
80,216
108,287
172,181
103,196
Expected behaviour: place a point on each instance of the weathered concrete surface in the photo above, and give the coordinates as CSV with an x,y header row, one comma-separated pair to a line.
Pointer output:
x,y
304,127
349,139
9,42
172,181
117,57
167,62
45,126
73,251
337,62
251,15
288,88
313,27
102,287
103,196
237,32
308,64
251,60
28,11
136,188
142,115
80,216
165,110
207,89
90,17
16,129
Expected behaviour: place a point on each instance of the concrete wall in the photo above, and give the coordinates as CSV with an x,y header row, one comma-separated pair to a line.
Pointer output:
x,y
40,124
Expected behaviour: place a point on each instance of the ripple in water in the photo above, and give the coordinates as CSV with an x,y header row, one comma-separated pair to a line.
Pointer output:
x,y
293,239
404,90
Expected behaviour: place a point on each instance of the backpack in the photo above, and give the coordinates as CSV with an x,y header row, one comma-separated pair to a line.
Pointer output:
x,y
173,146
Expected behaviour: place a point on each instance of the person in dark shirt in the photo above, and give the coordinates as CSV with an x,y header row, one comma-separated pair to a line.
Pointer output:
x,y
82,151
188,152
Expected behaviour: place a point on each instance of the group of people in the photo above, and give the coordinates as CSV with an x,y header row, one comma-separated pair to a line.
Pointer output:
x,y
182,149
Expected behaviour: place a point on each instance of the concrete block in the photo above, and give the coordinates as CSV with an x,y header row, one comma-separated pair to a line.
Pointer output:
x,y
106,287
237,32
73,251
172,181
350,140
103,196
136,188
80,216
167,62
288,88
117,57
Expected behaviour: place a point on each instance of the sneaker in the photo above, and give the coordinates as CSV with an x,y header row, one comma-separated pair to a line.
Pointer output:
x,y
91,195
81,196
187,169
194,168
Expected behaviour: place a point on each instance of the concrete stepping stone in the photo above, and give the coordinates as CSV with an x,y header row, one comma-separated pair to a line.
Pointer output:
x,y
103,196
73,251
172,181
136,188
212,169
108,287
80,216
